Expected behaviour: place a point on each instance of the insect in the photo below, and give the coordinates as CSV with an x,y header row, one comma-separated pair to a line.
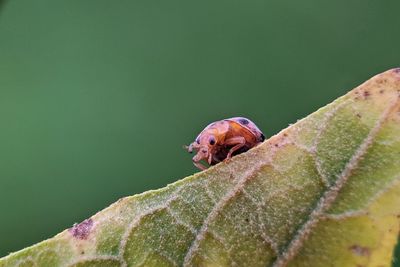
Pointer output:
x,y
223,139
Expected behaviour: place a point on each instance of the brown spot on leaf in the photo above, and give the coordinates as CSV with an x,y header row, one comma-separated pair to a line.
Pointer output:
x,y
360,251
82,230
358,115
396,70
381,81
366,94
381,91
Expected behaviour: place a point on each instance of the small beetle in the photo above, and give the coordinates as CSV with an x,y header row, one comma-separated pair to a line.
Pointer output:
x,y
223,139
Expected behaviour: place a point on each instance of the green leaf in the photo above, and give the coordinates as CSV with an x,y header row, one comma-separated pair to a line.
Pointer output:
x,y
323,192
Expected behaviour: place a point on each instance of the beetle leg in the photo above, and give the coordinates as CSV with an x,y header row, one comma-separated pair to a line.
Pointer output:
x,y
210,158
238,143
196,161
199,165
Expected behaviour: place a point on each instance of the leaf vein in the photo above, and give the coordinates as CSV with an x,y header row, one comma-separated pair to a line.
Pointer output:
x,y
217,208
330,195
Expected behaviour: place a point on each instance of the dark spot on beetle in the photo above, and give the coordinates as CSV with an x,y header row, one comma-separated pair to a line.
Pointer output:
x,y
247,220
244,121
381,91
82,230
360,251
262,137
285,134
276,145
82,252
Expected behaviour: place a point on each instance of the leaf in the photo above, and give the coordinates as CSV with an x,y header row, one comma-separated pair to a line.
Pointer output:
x,y
323,192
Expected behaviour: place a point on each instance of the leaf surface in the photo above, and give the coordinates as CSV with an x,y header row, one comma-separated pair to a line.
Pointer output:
x,y
323,192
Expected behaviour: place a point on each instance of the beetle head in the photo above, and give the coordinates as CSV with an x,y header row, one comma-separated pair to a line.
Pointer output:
x,y
205,146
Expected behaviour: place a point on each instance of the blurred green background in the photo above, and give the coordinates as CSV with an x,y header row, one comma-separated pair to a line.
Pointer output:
x,y
98,97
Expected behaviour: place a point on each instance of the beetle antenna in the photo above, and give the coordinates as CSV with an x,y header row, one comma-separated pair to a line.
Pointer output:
x,y
188,148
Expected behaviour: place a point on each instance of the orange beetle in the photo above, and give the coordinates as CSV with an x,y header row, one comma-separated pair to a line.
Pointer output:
x,y
223,139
